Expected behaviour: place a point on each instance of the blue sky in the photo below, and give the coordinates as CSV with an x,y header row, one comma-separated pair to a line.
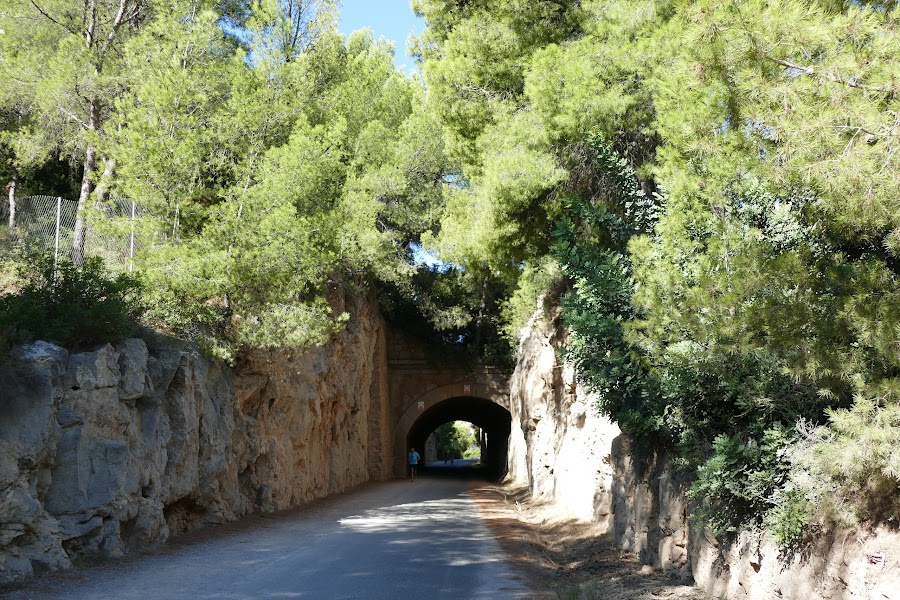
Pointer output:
x,y
391,19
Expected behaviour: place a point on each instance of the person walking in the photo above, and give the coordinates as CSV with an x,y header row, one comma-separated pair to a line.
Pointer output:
x,y
413,463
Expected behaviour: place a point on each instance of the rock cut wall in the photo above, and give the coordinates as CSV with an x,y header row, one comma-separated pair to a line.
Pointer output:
x,y
559,446
120,447
567,454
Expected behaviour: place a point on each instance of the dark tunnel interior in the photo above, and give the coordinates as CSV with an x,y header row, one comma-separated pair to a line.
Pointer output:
x,y
494,420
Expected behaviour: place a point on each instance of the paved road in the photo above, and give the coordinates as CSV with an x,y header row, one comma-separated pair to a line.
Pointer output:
x,y
392,541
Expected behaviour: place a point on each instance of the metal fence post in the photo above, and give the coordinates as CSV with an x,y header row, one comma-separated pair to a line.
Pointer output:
x,y
56,243
131,244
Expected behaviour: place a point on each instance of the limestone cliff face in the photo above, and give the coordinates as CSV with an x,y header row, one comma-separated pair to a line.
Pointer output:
x,y
558,445
316,423
565,453
120,447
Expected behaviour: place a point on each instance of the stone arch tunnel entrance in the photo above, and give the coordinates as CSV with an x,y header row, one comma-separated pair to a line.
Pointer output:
x,y
426,392
494,421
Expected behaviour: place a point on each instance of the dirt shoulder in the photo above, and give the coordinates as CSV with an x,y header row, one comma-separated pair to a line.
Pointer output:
x,y
568,559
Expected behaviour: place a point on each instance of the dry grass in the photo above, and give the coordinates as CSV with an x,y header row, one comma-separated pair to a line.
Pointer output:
x,y
568,559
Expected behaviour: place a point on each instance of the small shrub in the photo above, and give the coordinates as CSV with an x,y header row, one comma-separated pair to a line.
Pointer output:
x,y
740,480
79,305
10,261
850,469
788,521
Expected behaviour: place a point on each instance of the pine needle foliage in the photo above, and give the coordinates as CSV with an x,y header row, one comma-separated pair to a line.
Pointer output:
x,y
762,293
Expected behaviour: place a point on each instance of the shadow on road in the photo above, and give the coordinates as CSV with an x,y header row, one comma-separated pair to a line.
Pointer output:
x,y
467,469
384,541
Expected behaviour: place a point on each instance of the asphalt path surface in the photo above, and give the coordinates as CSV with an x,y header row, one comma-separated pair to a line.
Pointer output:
x,y
393,541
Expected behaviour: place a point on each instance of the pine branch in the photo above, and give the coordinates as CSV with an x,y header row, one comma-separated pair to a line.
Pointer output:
x,y
47,15
808,69
813,72
117,22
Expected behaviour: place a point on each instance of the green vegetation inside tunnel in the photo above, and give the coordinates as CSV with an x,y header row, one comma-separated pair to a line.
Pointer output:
x,y
494,420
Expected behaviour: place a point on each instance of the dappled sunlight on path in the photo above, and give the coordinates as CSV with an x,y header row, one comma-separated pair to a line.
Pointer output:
x,y
390,541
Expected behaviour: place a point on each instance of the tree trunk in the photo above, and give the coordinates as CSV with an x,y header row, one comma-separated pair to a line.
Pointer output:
x,y
109,169
87,186
12,201
479,323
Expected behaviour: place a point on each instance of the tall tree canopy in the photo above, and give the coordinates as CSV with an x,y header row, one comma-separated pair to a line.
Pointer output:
x,y
723,180
64,59
271,155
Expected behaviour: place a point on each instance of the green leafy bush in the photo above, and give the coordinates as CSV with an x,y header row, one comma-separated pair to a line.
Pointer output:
x,y
11,258
789,519
77,305
473,451
456,440
738,482
677,372
591,242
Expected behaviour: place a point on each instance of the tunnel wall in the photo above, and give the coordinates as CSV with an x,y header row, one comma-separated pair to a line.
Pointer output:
x,y
107,451
567,454
419,377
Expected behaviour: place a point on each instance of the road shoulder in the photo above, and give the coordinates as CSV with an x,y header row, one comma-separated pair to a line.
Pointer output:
x,y
565,558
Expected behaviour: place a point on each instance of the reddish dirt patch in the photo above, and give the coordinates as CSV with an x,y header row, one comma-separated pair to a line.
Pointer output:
x,y
565,558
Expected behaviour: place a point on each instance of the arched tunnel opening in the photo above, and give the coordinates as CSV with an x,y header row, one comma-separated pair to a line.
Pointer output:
x,y
494,421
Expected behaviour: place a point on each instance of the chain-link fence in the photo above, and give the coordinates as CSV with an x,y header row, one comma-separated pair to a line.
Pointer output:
x,y
47,224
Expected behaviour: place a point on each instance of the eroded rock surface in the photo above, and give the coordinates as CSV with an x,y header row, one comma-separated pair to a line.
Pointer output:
x,y
118,448
559,445
568,454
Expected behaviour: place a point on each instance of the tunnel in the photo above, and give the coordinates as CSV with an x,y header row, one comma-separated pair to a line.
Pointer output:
x,y
494,420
